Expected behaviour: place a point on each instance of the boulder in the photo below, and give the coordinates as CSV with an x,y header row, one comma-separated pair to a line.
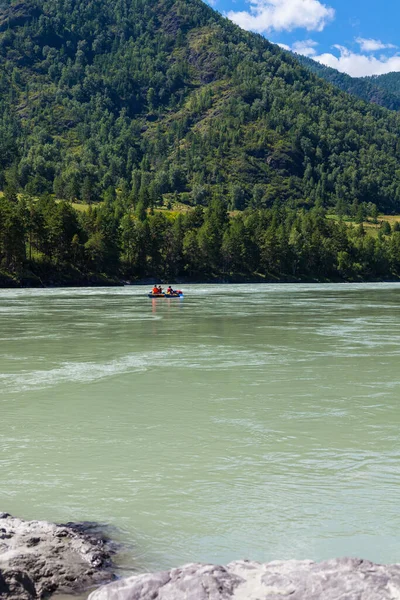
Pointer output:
x,y
38,558
344,579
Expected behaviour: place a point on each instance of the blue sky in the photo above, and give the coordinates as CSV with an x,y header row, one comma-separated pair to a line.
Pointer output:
x,y
359,37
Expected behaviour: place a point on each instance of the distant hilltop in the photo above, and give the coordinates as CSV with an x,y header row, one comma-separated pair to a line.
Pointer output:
x,y
378,89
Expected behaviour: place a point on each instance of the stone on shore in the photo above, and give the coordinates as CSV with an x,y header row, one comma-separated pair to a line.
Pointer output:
x,y
340,579
38,558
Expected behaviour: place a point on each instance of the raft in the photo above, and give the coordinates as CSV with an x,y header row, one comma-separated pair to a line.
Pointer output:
x,y
165,295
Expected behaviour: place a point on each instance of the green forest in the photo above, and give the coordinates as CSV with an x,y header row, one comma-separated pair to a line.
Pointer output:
x,y
44,242
389,82
135,105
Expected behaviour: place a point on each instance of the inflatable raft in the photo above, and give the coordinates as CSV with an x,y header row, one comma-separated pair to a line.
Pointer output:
x,y
165,295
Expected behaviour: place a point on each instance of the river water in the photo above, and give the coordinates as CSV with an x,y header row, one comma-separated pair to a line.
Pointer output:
x,y
257,421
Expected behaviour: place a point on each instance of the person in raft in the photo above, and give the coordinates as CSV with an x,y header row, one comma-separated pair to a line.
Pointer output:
x,y
172,292
157,290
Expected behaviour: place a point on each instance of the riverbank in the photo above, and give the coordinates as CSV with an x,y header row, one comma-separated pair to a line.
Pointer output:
x,y
51,279
73,278
349,578
38,558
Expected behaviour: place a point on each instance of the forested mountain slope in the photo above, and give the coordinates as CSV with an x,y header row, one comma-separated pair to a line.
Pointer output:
x,y
167,97
390,82
379,89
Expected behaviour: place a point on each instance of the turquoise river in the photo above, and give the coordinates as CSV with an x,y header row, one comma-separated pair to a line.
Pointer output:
x,y
257,421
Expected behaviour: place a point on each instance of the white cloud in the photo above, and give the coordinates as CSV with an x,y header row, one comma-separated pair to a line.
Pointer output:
x,y
359,65
283,15
371,45
356,65
306,47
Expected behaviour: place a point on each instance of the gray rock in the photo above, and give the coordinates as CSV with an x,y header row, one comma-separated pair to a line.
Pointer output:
x,y
341,579
38,558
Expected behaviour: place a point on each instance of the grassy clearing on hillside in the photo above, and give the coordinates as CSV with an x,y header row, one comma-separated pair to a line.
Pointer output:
x,y
80,206
370,227
390,218
173,209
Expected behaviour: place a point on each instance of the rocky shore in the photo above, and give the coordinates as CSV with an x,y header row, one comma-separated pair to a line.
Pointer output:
x,y
38,558
341,579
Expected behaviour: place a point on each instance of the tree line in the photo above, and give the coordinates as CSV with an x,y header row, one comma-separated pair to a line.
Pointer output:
x,y
43,241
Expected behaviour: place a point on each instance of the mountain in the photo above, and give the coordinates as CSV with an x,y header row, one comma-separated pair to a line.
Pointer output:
x,y
390,82
383,90
166,99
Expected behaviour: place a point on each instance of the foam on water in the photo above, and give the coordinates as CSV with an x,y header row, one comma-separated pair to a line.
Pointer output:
x,y
203,357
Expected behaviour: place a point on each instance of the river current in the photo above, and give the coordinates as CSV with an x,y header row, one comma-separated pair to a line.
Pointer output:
x,y
243,421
